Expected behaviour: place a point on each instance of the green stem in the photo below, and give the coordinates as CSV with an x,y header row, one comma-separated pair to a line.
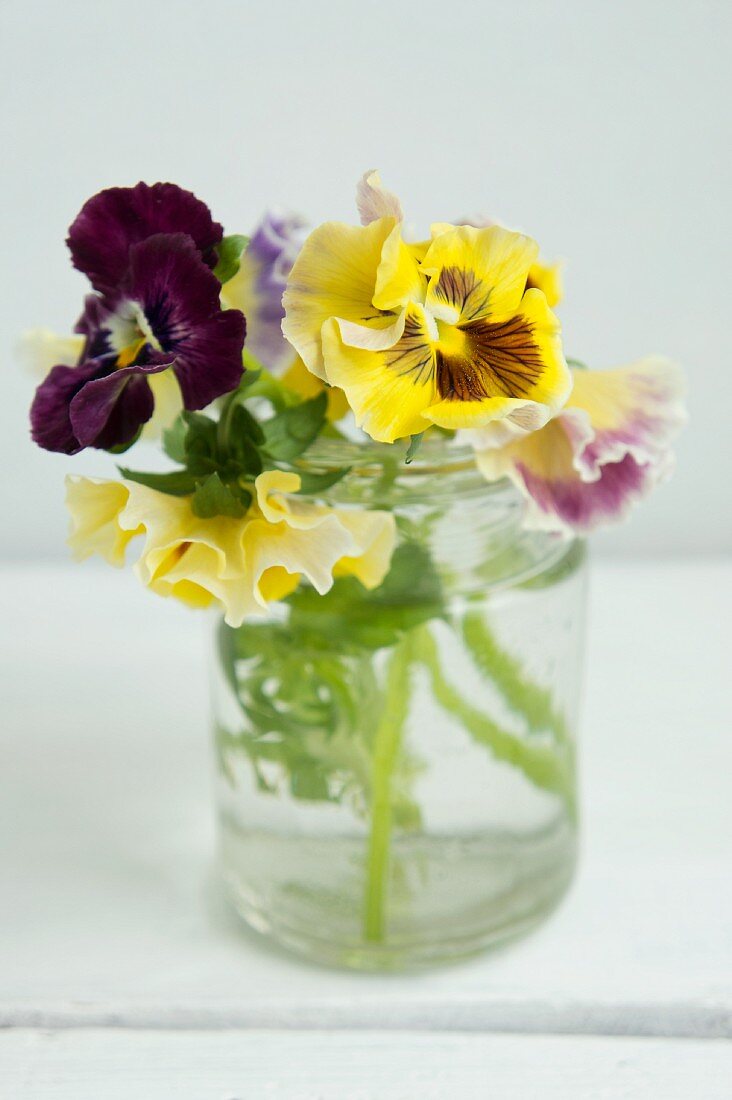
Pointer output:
x,y
534,703
552,769
387,743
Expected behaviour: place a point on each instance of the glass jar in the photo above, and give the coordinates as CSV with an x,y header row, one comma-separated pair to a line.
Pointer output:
x,y
396,768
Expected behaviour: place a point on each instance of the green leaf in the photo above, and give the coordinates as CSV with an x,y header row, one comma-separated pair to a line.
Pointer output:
x,y
200,438
244,424
213,498
414,445
577,364
349,617
174,440
229,252
318,483
177,483
291,431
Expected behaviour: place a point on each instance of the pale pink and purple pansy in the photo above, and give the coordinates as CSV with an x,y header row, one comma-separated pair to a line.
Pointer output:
x,y
601,454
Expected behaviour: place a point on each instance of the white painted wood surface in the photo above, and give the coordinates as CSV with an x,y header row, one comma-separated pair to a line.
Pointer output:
x,y
361,1065
121,965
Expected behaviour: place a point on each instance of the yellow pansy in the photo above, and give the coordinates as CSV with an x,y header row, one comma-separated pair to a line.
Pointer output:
x,y
443,332
298,378
241,564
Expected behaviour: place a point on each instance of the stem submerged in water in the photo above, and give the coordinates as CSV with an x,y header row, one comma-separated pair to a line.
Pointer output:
x,y
387,743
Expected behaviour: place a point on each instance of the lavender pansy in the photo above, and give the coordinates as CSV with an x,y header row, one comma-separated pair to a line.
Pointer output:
x,y
258,286
604,451
165,314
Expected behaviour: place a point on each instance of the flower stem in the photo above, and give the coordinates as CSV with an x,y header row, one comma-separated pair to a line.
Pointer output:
x,y
551,768
387,743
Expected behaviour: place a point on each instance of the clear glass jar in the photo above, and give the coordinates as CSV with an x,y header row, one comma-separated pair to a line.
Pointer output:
x,y
396,769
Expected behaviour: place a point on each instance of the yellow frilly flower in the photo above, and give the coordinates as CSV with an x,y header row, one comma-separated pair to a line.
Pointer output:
x,y
242,564
441,332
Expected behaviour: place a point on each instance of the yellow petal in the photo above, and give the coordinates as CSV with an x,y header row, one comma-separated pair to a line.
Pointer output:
x,y
276,583
399,279
40,349
477,273
548,279
298,378
387,389
168,403
642,394
502,369
95,506
333,276
375,536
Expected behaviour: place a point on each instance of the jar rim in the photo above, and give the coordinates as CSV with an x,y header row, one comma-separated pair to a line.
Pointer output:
x,y
439,454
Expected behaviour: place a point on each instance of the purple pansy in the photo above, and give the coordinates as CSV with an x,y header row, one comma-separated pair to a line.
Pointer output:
x,y
159,309
258,286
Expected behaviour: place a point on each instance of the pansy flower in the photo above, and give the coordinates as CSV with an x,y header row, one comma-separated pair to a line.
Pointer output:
x,y
240,564
604,451
440,332
260,282
148,253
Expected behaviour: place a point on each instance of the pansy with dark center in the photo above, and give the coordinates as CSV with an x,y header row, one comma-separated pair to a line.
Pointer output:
x,y
158,308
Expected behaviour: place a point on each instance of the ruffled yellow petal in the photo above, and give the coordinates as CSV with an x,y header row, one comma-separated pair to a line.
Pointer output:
x,y
241,564
548,279
298,378
312,539
192,559
333,276
374,533
95,507
388,389
477,273
374,201
490,370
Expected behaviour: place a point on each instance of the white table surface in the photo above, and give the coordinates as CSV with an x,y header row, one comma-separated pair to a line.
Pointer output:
x,y
124,975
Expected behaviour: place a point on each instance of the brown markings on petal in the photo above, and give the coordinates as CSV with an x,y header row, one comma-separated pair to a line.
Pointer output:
x,y
500,360
460,287
412,354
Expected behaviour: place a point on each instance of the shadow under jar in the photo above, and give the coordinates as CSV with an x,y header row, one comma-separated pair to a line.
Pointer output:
x,y
396,768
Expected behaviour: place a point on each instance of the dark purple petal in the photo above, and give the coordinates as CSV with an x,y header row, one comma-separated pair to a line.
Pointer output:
x,y
179,296
112,221
51,426
208,363
109,411
91,325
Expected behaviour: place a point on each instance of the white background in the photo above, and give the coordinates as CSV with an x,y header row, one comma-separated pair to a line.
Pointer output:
x,y
602,129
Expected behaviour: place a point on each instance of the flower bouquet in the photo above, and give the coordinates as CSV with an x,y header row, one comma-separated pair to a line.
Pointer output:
x,y
379,466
